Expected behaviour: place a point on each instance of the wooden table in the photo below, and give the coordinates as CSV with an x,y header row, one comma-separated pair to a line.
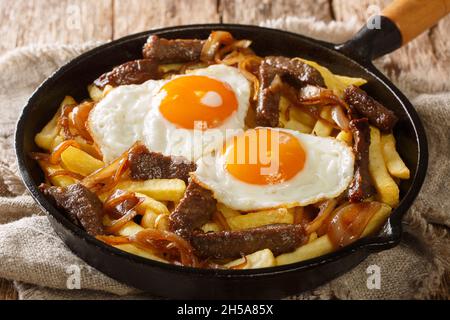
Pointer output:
x,y
26,22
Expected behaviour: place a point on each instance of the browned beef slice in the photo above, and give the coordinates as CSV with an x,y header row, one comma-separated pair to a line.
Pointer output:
x,y
194,210
153,165
294,72
361,186
361,103
81,205
279,238
132,72
172,51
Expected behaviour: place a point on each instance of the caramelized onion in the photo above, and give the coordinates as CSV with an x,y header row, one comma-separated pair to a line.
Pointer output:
x,y
240,265
220,220
326,208
113,240
66,173
341,119
236,48
349,222
149,238
79,117
111,174
298,215
119,223
213,43
248,66
314,95
64,121
120,202
55,157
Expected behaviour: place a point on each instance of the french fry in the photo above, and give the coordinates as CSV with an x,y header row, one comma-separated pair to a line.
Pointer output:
x,y
151,204
80,162
211,227
259,259
108,88
325,113
394,162
158,189
386,187
301,116
345,136
296,125
226,211
322,128
148,219
45,138
334,82
95,92
260,218
323,244
312,237
131,248
164,68
59,181
129,229
378,220
162,222
288,122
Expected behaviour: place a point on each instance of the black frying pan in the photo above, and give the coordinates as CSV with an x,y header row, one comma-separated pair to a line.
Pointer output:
x,y
352,58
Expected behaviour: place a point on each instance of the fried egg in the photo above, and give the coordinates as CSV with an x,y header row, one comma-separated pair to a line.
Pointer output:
x,y
186,115
194,112
271,167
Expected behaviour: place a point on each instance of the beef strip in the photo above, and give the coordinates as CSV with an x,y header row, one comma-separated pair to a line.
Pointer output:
x,y
293,72
279,238
361,186
172,51
194,210
361,103
82,206
153,165
132,72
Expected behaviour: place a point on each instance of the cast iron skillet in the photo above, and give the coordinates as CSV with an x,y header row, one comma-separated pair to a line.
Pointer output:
x,y
352,58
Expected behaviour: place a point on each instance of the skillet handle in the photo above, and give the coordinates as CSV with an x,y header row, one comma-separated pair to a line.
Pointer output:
x,y
399,23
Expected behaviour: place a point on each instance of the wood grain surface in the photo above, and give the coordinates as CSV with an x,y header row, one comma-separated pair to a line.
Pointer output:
x,y
28,22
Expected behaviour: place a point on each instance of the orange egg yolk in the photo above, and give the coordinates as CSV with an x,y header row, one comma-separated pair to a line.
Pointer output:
x,y
263,156
197,102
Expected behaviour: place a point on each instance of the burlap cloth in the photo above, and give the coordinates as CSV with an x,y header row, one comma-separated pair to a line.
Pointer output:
x,y
34,257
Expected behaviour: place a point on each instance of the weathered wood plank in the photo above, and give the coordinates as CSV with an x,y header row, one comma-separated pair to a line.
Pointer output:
x,y
256,11
131,16
53,21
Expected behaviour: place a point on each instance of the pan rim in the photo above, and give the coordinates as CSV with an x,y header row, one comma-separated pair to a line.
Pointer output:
x,y
368,244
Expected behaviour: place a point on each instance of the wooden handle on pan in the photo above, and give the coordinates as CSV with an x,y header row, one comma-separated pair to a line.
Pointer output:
x,y
413,17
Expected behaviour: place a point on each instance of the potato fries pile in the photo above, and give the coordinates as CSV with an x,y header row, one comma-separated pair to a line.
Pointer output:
x,y
71,157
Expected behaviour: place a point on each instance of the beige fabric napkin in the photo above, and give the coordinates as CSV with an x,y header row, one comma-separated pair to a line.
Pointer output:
x,y
34,257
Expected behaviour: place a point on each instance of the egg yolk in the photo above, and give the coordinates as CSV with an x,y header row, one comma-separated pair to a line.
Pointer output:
x,y
191,101
263,156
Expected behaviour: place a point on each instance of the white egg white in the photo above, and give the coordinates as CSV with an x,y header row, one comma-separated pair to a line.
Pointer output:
x,y
327,172
130,113
117,121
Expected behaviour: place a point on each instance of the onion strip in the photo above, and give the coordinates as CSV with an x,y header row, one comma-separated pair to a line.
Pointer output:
x,y
147,237
326,208
350,221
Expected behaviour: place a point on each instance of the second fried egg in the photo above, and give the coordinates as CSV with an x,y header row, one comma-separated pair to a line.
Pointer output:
x,y
270,167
